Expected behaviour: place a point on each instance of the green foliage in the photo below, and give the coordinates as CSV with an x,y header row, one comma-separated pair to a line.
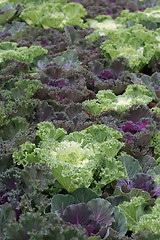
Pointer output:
x,y
60,202
150,221
74,158
26,155
55,14
103,25
131,164
106,99
27,3
114,169
136,43
120,224
47,131
84,195
6,213
133,210
155,142
149,14
8,10
24,54
23,89
14,128
156,110
68,59
126,196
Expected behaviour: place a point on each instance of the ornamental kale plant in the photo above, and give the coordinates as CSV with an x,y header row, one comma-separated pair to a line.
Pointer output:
x,y
149,14
141,181
136,43
151,220
11,50
55,14
106,99
75,158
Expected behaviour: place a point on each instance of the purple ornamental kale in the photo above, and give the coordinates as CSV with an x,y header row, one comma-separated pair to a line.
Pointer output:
x,y
134,128
81,215
140,181
57,83
95,216
8,186
106,75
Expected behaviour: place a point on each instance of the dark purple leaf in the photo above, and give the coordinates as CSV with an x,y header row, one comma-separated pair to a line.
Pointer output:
x,y
129,139
106,74
136,113
134,128
146,183
9,181
79,214
92,228
130,127
102,210
3,197
141,181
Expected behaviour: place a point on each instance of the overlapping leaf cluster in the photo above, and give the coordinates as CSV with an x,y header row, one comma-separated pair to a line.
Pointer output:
x,y
79,130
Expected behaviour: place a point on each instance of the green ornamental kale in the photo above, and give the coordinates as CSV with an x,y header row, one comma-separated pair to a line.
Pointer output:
x,y
155,142
103,25
150,221
74,158
150,14
24,89
106,99
24,54
133,210
136,43
55,14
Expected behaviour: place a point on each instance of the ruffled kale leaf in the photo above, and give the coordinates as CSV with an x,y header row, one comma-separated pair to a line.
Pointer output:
x,y
135,48
155,143
116,80
63,86
37,178
151,14
24,89
69,59
47,38
138,127
64,14
7,12
150,221
10,69
106,99
13,133
145,235
112,8
11,50
6,213
49,226
133,211
9,181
